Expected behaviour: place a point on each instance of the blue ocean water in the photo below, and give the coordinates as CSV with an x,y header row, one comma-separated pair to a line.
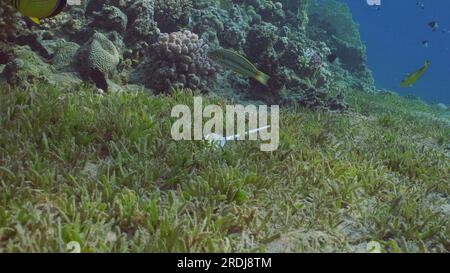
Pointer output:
x,y
393,36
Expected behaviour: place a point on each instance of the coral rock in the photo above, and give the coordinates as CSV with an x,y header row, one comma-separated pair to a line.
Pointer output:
x,y
170,14
111,18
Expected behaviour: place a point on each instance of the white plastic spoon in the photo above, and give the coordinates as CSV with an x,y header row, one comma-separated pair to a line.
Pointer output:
x,y
220,141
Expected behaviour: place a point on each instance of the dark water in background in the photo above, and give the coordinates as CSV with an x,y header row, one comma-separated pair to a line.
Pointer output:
x,y
394,35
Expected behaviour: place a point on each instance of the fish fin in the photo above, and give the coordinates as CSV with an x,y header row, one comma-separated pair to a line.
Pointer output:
x,y
36,20
261,77
61,5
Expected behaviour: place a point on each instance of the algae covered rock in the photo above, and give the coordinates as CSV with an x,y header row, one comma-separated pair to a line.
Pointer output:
x,y
63,58
97,59
26,68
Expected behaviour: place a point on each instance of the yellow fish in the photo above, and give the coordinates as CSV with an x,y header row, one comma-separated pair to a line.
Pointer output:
x,y
238,63
39,9
413,77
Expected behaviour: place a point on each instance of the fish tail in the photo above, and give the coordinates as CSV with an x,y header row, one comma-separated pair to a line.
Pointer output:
x,y
261,77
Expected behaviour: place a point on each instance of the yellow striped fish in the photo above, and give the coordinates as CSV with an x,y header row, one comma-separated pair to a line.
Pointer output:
x,y
238,63
39,9
414,77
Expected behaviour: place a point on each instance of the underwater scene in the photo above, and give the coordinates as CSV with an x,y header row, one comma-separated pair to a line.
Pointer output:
x,y
225,126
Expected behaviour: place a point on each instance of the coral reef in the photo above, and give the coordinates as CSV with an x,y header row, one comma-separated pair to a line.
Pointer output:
x,y
170,14
179,60
163,44
332,23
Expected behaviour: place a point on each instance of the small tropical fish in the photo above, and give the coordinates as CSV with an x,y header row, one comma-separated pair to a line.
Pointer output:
x,y
413,77
420,4
39,9
425,43
433,25
238,63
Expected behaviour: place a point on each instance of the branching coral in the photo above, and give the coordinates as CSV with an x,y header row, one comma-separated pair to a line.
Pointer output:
x,y
270,11
142,26
179,60
142,29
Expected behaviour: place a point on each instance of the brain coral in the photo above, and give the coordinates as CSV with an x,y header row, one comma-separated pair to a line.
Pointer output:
x,y
98,53
178,60
97,59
